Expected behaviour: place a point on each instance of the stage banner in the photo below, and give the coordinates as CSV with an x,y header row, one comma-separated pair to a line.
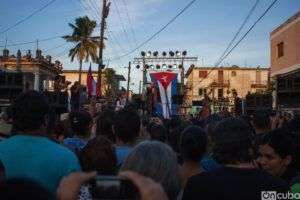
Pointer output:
x,y
166,82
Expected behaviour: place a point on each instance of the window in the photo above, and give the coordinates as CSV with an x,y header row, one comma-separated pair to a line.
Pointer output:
x,y
220,76
200,92
220,93
202,74
233,73
280,51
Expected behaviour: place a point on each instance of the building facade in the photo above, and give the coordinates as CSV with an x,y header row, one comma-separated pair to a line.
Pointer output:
x,y
220,83
285,63
72,76
38,72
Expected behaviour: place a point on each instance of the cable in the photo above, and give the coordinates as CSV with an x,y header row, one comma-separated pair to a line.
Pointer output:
x,y
95,8
31,42
240,29
28,17
242,38
121,21
158,32
115,38
129,21
61,45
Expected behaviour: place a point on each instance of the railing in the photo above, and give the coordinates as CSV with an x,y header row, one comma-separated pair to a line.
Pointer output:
x,y
259,84
218,83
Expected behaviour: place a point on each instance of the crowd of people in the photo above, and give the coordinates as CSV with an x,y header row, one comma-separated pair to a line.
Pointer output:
x,y
211,156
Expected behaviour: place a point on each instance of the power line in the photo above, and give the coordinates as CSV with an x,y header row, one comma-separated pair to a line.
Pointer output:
x,y
28,17
122,23
129,21
61,45
31,42
95,8
239,30
241,39
158,32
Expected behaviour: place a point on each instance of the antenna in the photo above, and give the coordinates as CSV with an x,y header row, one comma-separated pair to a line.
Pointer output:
x,y
5,42
37,44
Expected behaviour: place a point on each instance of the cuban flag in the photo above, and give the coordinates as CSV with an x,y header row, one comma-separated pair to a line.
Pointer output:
x,y
167,86
91,84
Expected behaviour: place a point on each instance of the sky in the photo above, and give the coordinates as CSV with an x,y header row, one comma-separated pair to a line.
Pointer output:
x,y
204,30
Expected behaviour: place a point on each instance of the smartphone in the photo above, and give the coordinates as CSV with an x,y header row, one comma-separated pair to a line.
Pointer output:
x,y
112,187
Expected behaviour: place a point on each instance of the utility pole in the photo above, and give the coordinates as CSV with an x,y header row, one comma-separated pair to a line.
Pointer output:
x,y
182,77
144,79
140,87
128,81
105,12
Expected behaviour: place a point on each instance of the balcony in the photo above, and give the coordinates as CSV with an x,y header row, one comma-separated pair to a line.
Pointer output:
x,y
220,84
259,84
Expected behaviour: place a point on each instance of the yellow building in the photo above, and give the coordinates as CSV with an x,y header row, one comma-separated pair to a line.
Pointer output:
x,y
72,76
219,83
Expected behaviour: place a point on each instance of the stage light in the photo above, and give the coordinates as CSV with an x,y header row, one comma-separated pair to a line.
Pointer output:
x,y
155,53
171,53
184,53
152,67
143,54
148,53
175,66
164,54
178,53
164,66
147,66
138,66
170,66
180,66
157,66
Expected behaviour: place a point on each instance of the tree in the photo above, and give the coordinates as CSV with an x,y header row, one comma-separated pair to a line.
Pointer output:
x,y
111,83
86,46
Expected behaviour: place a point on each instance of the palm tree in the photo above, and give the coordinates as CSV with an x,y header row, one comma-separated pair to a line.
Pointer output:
x,y
86,46
111,82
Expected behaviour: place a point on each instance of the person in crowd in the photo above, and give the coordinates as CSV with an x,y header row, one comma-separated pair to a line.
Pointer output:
x,y
293,127
148,189
81,125
104,123
208,163
99,155
75,96
126,129
22,188
193,145
29,153
276,155
238,178
176,126
157,161
157,132
261,122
